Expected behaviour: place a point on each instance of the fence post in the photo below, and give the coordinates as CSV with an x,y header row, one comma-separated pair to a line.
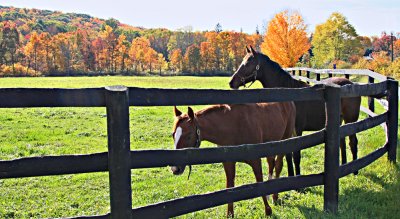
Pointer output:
x,y
392,123
331,164
347,76
117,103
294,72
318,77
371,102
308,76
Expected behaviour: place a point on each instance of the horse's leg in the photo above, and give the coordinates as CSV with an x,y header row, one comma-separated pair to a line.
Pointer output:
x,y
257,169
354,148
351,111
297,156
289,156
278,170
229,168
271,166
343,147
289,162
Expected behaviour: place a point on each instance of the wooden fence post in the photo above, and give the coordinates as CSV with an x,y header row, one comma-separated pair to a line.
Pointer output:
x,y
117,103
331,164
347,76
371,103
308,76
392,123
318,77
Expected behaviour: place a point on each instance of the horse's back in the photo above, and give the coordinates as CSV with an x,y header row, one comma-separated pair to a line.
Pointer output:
x,y
337,80
275,120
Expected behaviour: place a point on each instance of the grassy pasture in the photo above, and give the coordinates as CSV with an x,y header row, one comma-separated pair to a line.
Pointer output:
x,y
374,193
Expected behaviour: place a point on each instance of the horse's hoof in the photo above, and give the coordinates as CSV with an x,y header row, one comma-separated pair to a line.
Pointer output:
x,y
268,211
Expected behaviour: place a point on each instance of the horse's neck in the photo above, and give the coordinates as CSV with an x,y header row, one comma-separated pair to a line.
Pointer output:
x,y
288,81
207,124
280,79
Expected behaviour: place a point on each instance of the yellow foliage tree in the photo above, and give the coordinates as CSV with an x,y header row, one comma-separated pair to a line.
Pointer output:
x,y
286,39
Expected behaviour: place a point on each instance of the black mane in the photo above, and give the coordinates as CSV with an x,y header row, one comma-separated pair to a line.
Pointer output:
x,y
274,65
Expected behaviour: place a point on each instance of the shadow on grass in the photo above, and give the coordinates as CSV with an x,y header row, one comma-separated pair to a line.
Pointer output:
x,y
362,201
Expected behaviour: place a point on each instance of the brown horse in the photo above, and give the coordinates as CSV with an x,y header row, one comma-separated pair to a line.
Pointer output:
x,y
310,115
227,125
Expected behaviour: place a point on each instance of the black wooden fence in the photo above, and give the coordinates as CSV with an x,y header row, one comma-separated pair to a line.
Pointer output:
x,y
120,159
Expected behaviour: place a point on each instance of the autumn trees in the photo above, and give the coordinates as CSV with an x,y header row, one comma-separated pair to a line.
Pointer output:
x,y
336,39
33,42
286,39
9,44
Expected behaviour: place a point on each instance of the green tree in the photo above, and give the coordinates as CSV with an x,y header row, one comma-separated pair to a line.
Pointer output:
x,y
10,44
192,59
336,39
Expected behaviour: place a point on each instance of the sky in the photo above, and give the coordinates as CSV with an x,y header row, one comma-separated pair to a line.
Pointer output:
x,y
369,17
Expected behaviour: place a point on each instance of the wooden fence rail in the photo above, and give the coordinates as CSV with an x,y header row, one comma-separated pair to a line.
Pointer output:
x,y
120,159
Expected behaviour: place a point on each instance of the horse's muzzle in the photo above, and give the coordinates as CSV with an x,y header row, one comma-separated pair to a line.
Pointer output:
x,y
178,170
233,84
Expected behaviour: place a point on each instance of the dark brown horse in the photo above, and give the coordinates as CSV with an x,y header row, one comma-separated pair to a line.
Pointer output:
x,y
310,115
227,125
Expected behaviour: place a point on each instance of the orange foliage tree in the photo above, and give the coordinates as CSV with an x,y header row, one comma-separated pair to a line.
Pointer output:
x,y
286,39
176,60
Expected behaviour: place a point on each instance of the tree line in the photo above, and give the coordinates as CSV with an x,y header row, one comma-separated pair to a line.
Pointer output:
x,y
35,42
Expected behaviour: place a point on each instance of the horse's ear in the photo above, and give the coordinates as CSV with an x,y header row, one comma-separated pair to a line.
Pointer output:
x,y
177,112
248,50
252,50
190,112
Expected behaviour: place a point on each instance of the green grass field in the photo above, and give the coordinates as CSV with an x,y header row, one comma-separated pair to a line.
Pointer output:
x,y
374,193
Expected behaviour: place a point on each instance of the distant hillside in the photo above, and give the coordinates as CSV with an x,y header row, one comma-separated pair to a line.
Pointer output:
x,y
43,42
54,22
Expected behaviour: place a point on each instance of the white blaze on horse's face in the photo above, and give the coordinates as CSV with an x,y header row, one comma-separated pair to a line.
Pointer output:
x,y
178,134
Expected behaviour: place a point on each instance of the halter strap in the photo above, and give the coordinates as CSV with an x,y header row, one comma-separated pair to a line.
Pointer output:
x,y
197,144
198,140
254,74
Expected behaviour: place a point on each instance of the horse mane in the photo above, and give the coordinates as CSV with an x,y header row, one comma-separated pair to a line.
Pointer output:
x,y
274,65
202,112
286,79
213,108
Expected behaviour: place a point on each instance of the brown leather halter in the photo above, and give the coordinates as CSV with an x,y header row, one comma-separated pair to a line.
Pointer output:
x,y
197,144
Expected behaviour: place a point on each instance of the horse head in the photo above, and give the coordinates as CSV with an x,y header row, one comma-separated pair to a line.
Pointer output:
x,y
186,134
247,71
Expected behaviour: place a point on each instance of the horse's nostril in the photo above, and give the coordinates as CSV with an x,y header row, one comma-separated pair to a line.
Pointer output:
x,y
175,170
231,84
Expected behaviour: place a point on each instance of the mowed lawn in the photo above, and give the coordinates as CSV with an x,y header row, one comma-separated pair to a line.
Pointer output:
x,y
374,193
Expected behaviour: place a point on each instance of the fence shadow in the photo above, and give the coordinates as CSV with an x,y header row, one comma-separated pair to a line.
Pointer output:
x,y
367,202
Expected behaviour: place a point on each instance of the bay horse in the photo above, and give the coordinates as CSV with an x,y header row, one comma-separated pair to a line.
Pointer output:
x,y
310,115
229,125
